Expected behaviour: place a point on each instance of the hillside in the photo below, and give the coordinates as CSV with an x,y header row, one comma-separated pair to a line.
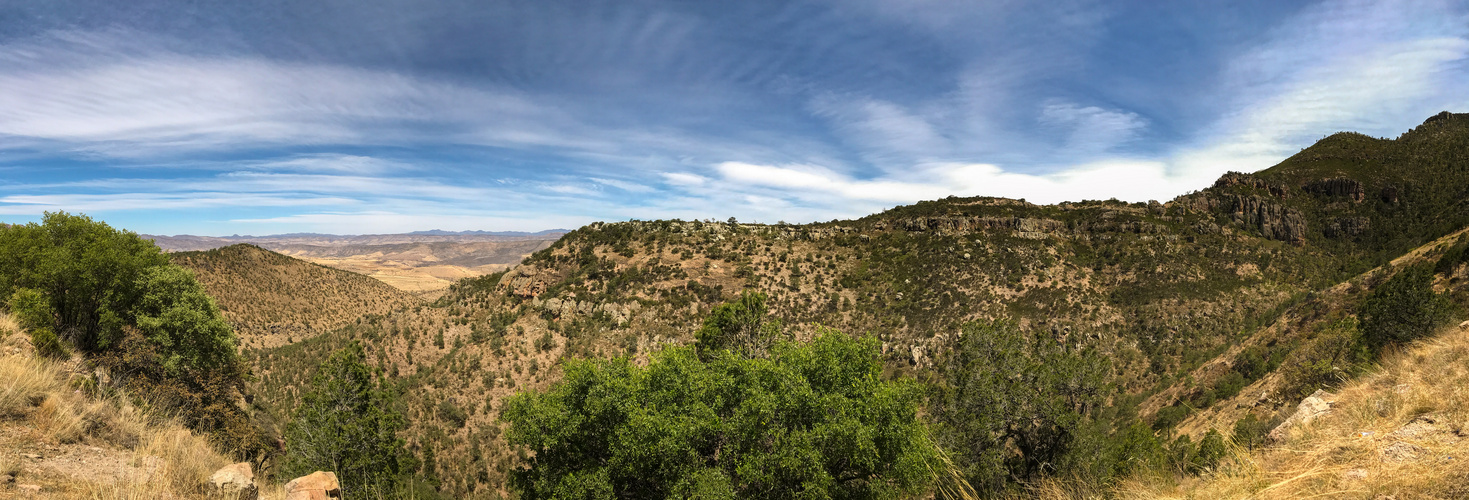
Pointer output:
x,y
1398,432
272,299
1175,294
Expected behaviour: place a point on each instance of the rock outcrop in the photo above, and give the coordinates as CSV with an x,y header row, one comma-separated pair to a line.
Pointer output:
x,y
1314,406
570,307
1275,221
524,281
315,486
1344,227
1338,187
1024,227
236,481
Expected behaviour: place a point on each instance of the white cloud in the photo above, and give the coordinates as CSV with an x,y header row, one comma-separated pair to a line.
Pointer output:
x,y
1093,130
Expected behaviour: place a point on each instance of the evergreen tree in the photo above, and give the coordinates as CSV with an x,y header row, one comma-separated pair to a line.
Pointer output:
x,y
347,424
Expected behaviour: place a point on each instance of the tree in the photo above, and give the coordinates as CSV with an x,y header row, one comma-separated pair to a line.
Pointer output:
x,y
347,424
1403,309
810,421
741,327
1008,405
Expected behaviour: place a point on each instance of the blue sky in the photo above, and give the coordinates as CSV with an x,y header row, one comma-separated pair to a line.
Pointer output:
x,y
378,116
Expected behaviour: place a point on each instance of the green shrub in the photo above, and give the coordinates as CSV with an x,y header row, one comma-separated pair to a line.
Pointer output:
x,y
1403,309
1008,404
809,421
1211,450
87,270
741,327
1250,431
347,423
47,344
453,414
32,309
175,314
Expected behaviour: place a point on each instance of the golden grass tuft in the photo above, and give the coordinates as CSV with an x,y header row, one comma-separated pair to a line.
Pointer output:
x,y
24,382
1401,431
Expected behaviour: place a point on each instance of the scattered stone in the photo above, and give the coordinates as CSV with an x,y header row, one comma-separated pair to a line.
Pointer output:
x,y
1400,452
29,488
1313,407
236,481
1464,325
31,456
6,479
1354,474
315,486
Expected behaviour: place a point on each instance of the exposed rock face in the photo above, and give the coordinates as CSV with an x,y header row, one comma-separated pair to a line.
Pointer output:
x,y
1313,407
525,281
1274,221
1344,227
235,481
1338,187
567,308
1024,227
315,486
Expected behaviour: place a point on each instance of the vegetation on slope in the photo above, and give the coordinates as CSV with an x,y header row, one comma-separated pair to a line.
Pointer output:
x,y
1400,431
273,300
1199,303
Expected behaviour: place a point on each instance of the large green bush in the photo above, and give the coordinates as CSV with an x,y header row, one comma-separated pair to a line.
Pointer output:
x,y
86,269
810,420
1009,404
1403,309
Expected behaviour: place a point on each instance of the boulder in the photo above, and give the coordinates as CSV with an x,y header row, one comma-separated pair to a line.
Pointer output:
x,y
1313,407
236,481
315,486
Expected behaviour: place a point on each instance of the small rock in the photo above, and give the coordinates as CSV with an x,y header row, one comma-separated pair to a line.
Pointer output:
x,y
1357,474
315,486
31,456
29,488
1400,452
1311,408
1464,325
6,479
235,481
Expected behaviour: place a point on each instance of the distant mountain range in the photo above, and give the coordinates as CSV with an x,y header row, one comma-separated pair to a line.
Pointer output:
x,y
188,243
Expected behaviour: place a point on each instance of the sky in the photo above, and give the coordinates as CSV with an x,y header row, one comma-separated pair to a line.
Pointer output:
x,y
219,117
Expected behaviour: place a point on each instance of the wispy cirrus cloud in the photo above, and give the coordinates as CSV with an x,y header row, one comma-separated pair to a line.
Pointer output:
x,y
560,114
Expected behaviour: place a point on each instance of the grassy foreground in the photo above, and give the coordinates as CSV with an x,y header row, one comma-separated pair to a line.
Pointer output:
x,y
1400,431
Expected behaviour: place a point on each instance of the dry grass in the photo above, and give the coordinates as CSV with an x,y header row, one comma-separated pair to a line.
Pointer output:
x,y
1400,432
24,382
168,460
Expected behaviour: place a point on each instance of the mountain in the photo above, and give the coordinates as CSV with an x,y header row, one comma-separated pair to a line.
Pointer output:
x,y
1183,297
423,263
